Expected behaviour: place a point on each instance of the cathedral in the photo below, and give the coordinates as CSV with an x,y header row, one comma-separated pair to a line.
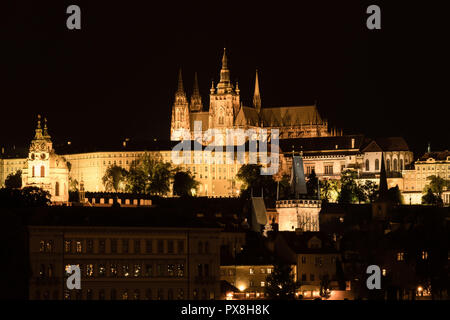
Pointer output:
x,y
226,111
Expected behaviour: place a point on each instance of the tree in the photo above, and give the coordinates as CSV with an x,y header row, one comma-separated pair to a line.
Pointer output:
x,y
184,183
329,189
136,180
114,178
160,176
437,185
395,196
370,190
24,198
351,191
431,199
312,183
14,180
281,284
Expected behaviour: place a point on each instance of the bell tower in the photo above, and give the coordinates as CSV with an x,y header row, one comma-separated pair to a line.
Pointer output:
x,y
39,153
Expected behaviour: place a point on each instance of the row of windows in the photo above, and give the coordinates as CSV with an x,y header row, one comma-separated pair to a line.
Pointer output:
x,y
401,256
137,269
148,246
312,277
318,261
114,294
232,271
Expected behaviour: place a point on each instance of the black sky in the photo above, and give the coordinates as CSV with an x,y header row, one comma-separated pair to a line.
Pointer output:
x,y
116,77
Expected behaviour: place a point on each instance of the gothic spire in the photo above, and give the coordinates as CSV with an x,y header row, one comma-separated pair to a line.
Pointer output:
x,y
224,83
224,59
196,89
256,94
180,90
196,99
383,181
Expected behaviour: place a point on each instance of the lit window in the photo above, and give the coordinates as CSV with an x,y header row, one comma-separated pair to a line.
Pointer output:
x,y
400,256
67,246
89,270
79,247
137,270
424,255
263,284
252,271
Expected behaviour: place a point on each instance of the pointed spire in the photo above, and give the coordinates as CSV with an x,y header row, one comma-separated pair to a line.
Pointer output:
x,y
196,89
256,94
212,90
237,87
38,132
383,190
196,99
45,133
224,59
224,83
180,90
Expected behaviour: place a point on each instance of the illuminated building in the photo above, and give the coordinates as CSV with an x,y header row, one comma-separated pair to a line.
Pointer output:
x,y
315,258
159,258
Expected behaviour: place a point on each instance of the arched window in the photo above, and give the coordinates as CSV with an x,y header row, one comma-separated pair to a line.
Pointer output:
x,y
221,116
401,164
32,171
388,165
367,165
377,165
57,188
395,165
42,171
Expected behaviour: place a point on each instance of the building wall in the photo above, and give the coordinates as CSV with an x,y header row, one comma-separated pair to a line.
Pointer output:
x,y
249,279
169,270
303,214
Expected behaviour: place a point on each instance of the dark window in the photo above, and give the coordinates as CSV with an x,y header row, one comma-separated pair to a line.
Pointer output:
x,y
113,245
170,246
42,171
101,246
125,246
137,246
57,188
160,246
304,277
377,165
180,246
200,270
89,246
149,246
206,270
367,165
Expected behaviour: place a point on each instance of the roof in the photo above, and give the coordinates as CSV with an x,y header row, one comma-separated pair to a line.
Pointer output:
x,y
322,143
387,144
114,217
290,116
437,155
247,116
199,116
298,242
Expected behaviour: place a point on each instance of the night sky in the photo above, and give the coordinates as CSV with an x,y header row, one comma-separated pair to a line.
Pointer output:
x,y
116,77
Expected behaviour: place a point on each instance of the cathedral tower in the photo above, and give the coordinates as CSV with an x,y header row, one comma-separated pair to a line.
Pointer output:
x,y
180,112
224,100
